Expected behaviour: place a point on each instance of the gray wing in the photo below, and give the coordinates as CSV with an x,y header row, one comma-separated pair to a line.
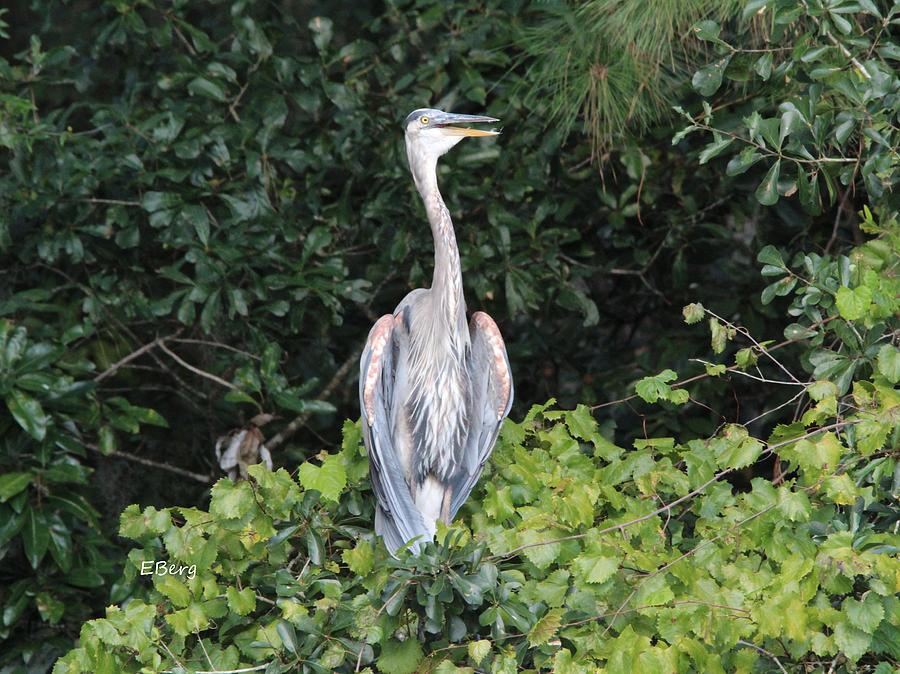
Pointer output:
x,y
397,519
492,396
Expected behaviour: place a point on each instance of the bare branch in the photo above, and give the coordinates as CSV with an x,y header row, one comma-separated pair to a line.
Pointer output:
x,y
764,652
134,354
196,370
197,477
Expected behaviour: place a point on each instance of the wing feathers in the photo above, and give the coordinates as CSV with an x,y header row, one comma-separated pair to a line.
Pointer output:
x,y
397,519
492,395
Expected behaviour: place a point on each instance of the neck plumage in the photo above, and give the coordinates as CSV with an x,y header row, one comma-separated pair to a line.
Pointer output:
x,y
446,286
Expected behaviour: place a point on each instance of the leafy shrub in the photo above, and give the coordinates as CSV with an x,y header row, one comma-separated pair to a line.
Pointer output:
x,y
574,553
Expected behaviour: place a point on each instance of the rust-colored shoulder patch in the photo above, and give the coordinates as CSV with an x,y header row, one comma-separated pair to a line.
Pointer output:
x,y
378,340
491,333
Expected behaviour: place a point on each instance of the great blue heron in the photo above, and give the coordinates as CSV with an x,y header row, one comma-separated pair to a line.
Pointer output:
x,y
433,391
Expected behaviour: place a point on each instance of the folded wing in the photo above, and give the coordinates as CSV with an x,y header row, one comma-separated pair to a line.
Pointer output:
x,y
492,396
397,519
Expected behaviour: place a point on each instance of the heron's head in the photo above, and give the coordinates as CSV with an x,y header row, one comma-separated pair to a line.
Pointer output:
x,y
430,133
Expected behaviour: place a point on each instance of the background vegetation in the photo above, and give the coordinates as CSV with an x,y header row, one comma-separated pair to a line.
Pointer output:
x,y
202,209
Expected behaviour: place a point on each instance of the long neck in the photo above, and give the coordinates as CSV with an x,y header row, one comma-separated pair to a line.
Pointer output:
x,y
446,286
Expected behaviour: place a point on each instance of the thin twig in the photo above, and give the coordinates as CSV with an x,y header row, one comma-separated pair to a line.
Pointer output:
x,y
134,354
840,45
764,652
196,370
218,345
223,671
117,454
113,202
746,333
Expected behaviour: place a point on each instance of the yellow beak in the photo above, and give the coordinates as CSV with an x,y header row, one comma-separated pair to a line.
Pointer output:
x,y
464,131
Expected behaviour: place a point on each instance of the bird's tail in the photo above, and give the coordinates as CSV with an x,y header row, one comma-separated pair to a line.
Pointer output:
x,y
387,528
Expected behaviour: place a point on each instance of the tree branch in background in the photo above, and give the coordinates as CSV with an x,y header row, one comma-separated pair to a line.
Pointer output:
x,y
111,370
301,419
197,477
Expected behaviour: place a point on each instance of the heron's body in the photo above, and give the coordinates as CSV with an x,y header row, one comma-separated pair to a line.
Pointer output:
x,y
434,389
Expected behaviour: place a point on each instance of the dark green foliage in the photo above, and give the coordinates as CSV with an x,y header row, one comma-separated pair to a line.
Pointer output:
x,y
575,553
203,207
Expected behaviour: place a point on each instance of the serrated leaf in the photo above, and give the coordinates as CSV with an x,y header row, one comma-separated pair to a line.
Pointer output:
x,y
546,627
231,500
596,568
853,303
741,454
865,615
693,313
479,650
655,387
400,657
888,363
654,591
360,559
329,479
241,602
852,641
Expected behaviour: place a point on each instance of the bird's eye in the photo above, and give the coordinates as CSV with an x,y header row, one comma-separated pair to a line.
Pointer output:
x,y
423,119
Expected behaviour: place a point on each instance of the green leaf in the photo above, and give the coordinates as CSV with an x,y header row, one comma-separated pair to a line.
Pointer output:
x,y
763,66
581,423
13,483
400,657
329,479
172,587
654,591
241,602
204,87
719,334
742,453
767,192
693,313
888,365
865,615
28,413
545,628
479,650
707,30
60,543
714,370
853,642
653,388
742,161
853,304
360,559
708,79
715,148
791,120
35,536
771,255
596,568
231,500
